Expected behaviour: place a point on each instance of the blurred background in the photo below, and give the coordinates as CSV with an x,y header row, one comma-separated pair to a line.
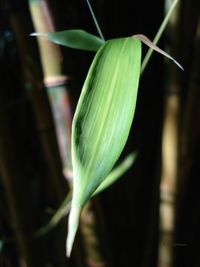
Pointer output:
x,y
151,216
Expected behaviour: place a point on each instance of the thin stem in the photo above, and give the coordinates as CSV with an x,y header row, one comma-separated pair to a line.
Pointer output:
x,y
158,35
59,214
95,20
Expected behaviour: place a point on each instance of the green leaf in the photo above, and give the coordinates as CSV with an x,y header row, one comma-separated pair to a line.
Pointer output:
x,y
102,120
117,172
77,39
154,47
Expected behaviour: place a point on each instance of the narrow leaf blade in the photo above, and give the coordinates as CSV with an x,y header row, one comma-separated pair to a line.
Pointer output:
x,y
76,38
104,114
150,44
117,172
73,226
103,119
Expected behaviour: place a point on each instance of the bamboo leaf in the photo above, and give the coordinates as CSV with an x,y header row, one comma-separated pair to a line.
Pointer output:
x,y
102,120
77,39
117,172
159,34
150,44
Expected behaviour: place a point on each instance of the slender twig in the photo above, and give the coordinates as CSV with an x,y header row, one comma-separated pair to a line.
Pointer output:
x,y
95,20
158,35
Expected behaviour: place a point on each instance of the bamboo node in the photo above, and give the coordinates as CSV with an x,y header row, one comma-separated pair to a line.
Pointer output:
x,y
173,90
54,81
167,196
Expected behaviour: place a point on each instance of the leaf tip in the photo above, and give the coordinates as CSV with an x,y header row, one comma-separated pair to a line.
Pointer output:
x,y
178,64
130,159
154,47
37,34
73,227
33,34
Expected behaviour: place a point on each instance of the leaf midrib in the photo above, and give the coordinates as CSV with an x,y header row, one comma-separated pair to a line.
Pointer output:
x,y
108,109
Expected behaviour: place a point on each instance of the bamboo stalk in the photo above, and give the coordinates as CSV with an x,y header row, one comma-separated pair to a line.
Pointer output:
x,y
40,106
187,218
55,84
190,123
55,184
14,177
189,28
183,33
54,80
168,181
169,165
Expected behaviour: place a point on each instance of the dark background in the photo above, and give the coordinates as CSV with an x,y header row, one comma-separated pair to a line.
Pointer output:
x,y
130,208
